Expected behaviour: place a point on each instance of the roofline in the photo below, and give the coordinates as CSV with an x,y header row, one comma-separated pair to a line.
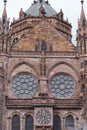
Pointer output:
x,y
53,17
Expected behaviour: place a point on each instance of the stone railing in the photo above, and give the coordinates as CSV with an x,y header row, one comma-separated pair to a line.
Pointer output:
x,y
18,102
43,102
68,103
47,53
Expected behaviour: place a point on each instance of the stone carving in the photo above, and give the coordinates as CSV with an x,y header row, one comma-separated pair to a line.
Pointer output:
x,y
42,11
43,65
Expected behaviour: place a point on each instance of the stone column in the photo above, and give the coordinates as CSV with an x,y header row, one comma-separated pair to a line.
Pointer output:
x,y
2,121
9,124
76,123
63,124
22,124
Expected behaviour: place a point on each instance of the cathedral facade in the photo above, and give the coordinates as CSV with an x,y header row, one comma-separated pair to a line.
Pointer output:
x,y
43,76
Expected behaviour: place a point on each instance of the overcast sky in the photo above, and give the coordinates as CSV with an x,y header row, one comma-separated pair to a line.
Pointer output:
x,y
71,9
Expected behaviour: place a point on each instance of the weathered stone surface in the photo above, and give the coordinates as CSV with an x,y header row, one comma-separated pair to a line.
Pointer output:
x,y
22,51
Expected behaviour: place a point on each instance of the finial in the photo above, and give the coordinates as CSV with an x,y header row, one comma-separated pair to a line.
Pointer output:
x,y
82,16
82,1
5,1
4,15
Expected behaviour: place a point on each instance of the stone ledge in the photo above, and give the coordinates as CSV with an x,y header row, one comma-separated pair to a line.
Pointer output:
x,y
59,103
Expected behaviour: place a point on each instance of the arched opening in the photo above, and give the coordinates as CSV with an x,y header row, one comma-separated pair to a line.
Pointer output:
x,y
16,122
29,123
43,46
70,122
15,40
56,123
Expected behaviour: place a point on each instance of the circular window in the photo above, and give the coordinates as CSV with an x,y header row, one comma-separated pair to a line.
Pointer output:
x,y
24,85
62,86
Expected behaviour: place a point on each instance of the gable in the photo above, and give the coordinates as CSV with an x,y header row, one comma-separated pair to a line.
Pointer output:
x,y
43,31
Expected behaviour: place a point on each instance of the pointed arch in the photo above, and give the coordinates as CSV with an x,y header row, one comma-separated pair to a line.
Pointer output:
x,y
15,113
19,63
63,63
70,122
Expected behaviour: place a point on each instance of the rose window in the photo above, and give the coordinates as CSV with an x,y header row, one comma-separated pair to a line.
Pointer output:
x,y
62,86
24,85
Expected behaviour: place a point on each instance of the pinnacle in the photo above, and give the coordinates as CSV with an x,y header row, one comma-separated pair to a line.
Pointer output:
x,y
82,16
5,1
4,15
82,1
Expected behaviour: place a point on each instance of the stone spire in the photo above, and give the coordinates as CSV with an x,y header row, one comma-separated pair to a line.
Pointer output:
x,y
5,31
82,16
82,32
4,15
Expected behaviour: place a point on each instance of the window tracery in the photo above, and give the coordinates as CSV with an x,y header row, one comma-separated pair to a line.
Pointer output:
x,y
24,85
62,85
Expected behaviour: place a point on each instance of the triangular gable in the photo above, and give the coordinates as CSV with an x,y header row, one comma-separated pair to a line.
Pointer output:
x,y
46,32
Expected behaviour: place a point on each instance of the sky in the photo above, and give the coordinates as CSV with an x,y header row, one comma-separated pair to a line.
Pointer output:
x,y
71,9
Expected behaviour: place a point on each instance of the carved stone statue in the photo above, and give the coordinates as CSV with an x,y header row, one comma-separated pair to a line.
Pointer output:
x,y
43,65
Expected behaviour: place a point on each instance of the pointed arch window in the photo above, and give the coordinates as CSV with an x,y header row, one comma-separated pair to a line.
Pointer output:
x,y
16,122
29,123
43,46
15,40
56,122
70,122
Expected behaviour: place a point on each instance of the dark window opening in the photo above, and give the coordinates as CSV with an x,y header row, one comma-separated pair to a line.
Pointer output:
x,y
36,48
70,121
43,46
56,123
51,49
84,22
15,40
29,123
16,122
